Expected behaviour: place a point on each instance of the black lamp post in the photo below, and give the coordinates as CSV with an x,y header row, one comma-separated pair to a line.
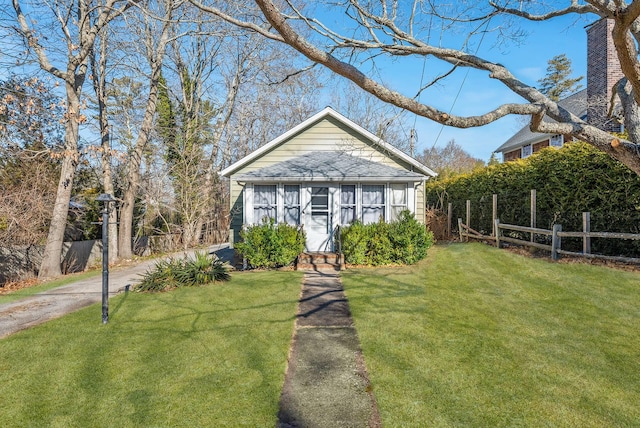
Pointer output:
x,y
106,199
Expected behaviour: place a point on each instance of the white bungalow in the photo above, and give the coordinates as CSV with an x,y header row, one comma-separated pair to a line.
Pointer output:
x,y
324,173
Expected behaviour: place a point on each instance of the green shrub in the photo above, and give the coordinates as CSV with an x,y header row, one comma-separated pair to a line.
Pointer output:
x,y
409,239
571,180
271,245
404,241
379,247
186,272
354,243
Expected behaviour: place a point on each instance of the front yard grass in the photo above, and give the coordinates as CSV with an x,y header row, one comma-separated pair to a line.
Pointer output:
x,y
476,336
204,356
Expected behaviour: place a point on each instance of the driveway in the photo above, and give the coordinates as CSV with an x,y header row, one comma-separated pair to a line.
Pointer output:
x,y
54,303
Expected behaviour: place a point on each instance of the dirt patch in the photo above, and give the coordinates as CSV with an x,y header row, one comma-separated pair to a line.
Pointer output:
x,y
10,287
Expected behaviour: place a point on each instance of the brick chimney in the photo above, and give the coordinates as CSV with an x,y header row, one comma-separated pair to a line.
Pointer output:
x,y
603,71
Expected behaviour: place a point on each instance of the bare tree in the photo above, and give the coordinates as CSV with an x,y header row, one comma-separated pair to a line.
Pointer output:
x,y
450,159
399,30
384,120
30,133
77,24
98,60
155,38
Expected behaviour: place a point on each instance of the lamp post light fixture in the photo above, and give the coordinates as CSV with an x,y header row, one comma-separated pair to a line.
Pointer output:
x,y
106,199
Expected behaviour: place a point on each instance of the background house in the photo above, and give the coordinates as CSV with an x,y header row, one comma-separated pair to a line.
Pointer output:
x,y
590,104
325,172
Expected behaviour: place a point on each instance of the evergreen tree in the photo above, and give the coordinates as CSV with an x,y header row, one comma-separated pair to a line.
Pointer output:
x,y
166,119
493,160
557,84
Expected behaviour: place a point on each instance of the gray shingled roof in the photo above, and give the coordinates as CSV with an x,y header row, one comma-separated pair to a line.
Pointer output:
x,y
576,104
329,166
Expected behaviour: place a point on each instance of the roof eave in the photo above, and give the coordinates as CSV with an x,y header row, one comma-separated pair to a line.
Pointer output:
x,y
363,179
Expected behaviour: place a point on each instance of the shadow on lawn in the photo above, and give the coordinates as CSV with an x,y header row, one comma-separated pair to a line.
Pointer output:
x,y
389,294
213,316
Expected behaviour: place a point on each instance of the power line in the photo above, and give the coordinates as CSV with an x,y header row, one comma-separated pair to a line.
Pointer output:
x,y
464,79
413,134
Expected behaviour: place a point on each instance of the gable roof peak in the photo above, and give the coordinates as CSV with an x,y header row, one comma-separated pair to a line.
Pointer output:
x,y
324,113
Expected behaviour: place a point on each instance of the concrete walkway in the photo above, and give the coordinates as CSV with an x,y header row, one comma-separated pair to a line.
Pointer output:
x,y
54,303
326,383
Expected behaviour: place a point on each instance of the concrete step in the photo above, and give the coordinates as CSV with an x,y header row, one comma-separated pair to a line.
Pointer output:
x,y
320,261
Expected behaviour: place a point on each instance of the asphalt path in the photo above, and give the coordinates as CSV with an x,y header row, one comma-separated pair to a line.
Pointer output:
x,y
54,303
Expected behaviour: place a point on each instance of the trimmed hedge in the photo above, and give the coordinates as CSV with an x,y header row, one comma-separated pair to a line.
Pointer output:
x,y
271,245
576,178
404,241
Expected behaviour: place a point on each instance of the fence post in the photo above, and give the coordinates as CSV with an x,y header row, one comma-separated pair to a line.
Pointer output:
x,y
555,241
533,212
494,214
496,227
449,217
468,215
460,228
586,228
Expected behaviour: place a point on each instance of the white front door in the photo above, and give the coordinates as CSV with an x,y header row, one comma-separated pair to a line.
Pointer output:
x,y
319,219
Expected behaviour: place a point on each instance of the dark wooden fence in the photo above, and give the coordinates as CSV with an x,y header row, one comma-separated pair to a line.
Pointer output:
x,y
554,235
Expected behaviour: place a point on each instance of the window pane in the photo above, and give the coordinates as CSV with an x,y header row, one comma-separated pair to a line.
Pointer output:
x,y
398,194
372,214
347,203
320,197
348,195
264,195
395,211
372,203
292,204
261,212
264,202
291,195
347,215
292,215
372,194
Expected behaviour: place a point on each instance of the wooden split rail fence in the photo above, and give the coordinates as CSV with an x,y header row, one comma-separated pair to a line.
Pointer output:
x,y
556,234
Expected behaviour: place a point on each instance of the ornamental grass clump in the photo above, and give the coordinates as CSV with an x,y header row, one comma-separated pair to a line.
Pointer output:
x,y
186,272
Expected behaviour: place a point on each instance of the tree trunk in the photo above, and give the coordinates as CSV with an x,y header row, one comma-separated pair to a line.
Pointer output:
x,y
100,85
52,257
135,160
155,58
125,249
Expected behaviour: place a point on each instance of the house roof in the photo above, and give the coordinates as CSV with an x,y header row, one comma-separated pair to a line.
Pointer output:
x,y
325,113
576,104
329,166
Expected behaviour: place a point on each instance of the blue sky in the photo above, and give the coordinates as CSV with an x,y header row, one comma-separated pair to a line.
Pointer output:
x,y
526,60
478,93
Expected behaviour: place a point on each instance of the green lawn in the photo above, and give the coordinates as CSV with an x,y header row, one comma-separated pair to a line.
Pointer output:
x,y
475,336
209,356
